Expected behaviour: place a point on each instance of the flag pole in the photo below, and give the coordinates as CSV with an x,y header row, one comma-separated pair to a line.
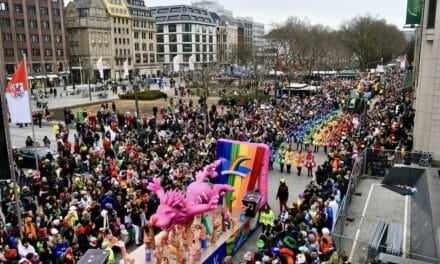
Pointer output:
x,y
37,167
10,155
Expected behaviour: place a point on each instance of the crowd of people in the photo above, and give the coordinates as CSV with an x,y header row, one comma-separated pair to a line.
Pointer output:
x,y
302,233
94,191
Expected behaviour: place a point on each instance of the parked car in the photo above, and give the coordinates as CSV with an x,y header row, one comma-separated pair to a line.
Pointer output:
x,y
26,156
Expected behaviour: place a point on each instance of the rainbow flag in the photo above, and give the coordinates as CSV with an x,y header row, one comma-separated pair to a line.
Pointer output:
x,y
244,166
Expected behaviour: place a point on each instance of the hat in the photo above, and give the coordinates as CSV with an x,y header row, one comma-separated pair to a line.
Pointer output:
x,y
282,180
304,249
260,244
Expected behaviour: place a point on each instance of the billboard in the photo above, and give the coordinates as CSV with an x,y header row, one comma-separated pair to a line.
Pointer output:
x,y
414,12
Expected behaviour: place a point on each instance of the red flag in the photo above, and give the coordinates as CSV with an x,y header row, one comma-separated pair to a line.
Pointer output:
x,y
17,95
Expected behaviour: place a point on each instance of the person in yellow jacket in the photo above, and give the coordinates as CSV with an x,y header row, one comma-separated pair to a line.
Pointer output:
x,y
288,157
111,257
299,161
266,218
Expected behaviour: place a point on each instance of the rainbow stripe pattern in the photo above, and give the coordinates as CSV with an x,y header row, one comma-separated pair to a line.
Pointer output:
x,y
244,166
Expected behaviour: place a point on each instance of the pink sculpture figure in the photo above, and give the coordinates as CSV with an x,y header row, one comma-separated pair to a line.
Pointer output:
x,y
177,208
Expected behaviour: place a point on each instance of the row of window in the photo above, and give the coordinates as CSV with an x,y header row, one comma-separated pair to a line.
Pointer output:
x,y
185,27
120,20
122,41
31,9
199,57
6,22
143,34
144,47
7,37
35,52
121,30
185,38
121,52
37,68
145,58
143,24
185,48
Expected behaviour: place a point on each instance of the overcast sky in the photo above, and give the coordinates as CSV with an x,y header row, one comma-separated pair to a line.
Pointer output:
x,y
327,12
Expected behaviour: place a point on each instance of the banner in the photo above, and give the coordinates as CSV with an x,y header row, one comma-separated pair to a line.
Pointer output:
x,y
17,96
126,74
191,61
100,67
176,63
414,12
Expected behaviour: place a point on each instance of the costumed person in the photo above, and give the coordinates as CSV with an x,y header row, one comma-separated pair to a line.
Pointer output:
x,y
299,161
310,163
266,218
289,158
283,194
281,157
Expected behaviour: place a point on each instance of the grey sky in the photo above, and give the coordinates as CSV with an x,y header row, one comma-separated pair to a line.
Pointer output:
x,y
327,12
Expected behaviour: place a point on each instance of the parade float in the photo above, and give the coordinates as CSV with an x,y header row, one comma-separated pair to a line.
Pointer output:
x,y
216,213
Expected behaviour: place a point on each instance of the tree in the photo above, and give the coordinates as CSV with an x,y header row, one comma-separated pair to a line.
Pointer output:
x,y
244,54
372,39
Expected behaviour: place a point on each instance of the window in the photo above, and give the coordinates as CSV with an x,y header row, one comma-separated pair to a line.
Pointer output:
x,y
59,52
150,35
173,48
4,6
187,47
5,22
18,8
204,48
172,38
136,35
144,46
431,13
34,38
172,28
57,25
36,67
9,52
159,38
55,11
36,52
204,38
45,24
144,35
44,10
159,28
21,37
23,51
160,48
48,52
210,39
160,58
46,38
33,24
151,58
136,46
49,66
19,22
137,58
197,38
186,27
151,47
197,48
145,58
7,37
58,39
32,10
186,38
197,57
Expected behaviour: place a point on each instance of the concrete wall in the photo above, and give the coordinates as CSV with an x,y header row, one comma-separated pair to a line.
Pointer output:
x,y
427,103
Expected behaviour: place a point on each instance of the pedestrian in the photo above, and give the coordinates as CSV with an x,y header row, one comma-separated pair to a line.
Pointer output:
x,y
282,194
281,157
299,161
289,159
266,218
310,163
46,142
39,118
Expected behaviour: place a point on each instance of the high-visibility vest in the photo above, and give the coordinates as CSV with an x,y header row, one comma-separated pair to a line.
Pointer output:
x,y
266,218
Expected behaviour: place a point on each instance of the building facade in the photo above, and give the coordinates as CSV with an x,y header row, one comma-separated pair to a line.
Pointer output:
x,y
427,90
183,31
247,24
213,6
258,40
89,38
144,38
34,28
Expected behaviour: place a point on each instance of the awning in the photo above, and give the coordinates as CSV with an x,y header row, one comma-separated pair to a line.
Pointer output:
x,y
40,77
51,76
64,73
30,77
